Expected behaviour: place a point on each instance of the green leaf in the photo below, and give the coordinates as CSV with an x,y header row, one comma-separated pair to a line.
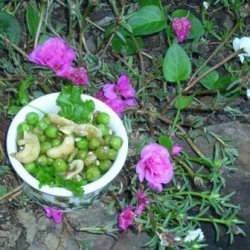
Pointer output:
x,y
32,19
3,190
176,64
147,20
23,94
9,27
166,142
183,102
149,2
210,79
197,29
72,106
127,48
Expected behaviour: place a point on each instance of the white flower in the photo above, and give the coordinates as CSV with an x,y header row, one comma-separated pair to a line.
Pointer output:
x,y
242,43
248,93
205,5
194,235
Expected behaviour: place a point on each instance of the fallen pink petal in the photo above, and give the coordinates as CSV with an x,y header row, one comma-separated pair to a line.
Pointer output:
x,y
54,214
126,218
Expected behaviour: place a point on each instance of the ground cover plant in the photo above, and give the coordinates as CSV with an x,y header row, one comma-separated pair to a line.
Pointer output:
x,y
152,62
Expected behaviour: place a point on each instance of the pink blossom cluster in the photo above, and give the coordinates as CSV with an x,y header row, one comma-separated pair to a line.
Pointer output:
x,y
118,96
56,54
181,27
127,216
54,214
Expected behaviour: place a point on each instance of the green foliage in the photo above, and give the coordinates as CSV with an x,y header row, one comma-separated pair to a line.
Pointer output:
x,y
183,101
126,46
166,142
32,18
213,81
197,29
9,26
147,20
149,2
176,64
23,94
3,190
72,106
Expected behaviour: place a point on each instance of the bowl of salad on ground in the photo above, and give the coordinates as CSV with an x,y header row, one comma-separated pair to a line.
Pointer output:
x,y
66,147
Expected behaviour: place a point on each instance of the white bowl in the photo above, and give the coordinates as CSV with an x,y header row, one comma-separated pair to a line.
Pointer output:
x,y
57,197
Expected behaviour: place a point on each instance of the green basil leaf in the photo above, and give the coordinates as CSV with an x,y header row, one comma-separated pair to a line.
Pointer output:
x,y
147,20
32,19
166,142
176,64
183,102
197,29
9,26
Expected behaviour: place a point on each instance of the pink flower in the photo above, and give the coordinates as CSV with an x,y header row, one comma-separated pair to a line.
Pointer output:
x,y
116,104
181,27
54,53
78,76
155,166
176,150
142,200
55,215
126,218
118,96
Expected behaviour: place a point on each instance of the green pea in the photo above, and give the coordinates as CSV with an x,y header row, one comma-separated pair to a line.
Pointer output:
x,y
30,166
60,165
42,124
105,166
32,118
103,118
92,173
102,152
112,154
104,129
42,160
24,126
50,162
81,154
51,132
82,144
45,146
42,138
55,142
94,143
116,142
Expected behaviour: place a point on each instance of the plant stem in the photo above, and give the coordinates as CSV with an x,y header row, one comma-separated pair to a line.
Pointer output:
x,y
139,54
15,47
38,31
213,54
179,95
219,221
19,188
234,54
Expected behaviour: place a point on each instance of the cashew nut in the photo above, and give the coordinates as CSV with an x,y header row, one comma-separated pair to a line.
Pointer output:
x,y
31,148
63,150
76,168
87,130
68,129
59,120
